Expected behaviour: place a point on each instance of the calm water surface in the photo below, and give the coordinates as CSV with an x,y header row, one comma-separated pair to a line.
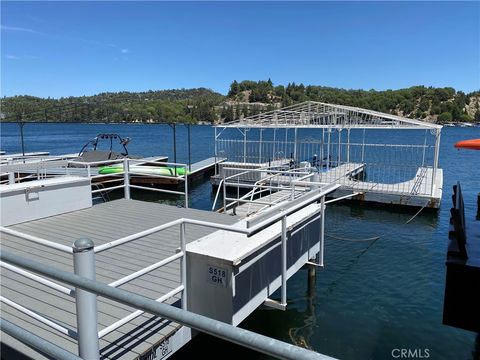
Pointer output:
x,y
372,297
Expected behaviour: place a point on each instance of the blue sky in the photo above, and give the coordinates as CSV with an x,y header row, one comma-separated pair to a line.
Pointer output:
x,y
83,48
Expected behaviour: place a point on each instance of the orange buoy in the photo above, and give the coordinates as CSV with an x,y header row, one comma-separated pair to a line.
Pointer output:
x,y
473,144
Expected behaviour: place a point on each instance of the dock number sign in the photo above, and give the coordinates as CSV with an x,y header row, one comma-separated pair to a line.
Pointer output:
x,y
217,275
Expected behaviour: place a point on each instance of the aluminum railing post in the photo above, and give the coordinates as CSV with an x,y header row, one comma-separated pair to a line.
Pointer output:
x,y
322,231
86,302
315,179
215,150
11,175
224,195
435,160
186,188
126,178
183,265
284,261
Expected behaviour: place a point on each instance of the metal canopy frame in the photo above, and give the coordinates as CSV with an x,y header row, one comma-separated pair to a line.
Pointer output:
x,y
340,141
312,114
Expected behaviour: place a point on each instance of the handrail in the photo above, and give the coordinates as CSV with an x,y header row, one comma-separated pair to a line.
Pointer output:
x,y
127,172
104,332
218,192
61,329
42,165
50,284
36,342
253,227
249,232
216,328
271,170
155,229
267,169
146,270
37,240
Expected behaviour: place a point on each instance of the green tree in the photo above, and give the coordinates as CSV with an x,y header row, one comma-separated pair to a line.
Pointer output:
x,y
445,117
477,116
234,89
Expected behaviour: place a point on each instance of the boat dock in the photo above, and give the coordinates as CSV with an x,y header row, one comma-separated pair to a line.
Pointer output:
x,y
103,223
31,156
197,170
195,260
415,192
60,166
352,147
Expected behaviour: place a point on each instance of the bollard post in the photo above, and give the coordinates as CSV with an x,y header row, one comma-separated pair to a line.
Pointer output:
x,y
86,302
126,178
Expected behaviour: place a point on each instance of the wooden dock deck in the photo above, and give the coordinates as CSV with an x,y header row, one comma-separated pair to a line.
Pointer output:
x,y
102,223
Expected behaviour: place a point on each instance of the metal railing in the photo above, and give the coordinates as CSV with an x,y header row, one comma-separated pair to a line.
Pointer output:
x,y
121,179
386,167
36,342
270,179
84,252
216,328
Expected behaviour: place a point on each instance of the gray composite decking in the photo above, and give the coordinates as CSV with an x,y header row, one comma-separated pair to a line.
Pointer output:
x,y
102,223
205,164
247,209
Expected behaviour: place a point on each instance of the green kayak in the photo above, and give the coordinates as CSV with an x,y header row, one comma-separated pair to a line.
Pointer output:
x,y
143,170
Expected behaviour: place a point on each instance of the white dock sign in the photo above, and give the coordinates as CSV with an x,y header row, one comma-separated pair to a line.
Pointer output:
x,y
217,276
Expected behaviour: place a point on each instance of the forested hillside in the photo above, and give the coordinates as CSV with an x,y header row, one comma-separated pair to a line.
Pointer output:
x,y
420,102
183,105
244,98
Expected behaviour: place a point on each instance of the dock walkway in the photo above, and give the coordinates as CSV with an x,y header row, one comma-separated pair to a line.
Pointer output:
x,y
102,223
424,189
247,209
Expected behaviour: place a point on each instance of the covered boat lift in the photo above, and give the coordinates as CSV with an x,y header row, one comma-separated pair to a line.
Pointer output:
x,y
373,156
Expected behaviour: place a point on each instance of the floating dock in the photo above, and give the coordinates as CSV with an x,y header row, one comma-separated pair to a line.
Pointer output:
x,y
416,192
358,149
30,156
222,266
36,168
103,223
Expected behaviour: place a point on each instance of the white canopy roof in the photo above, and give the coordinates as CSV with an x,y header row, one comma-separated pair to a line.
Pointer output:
x,y
313,114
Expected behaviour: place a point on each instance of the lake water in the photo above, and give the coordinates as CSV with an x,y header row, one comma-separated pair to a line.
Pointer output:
x,y
371,297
